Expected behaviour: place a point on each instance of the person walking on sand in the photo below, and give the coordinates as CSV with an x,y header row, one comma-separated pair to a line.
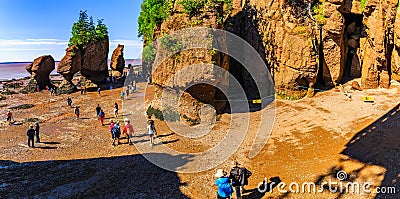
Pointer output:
x,y
127,91
51,90
151,123
9,117
116,133
111,127
98,91
102,115
151,129
122,94
111,124
115,109
76,111
37,128
69,101
128,130
239,177
31,136
98,109
224,186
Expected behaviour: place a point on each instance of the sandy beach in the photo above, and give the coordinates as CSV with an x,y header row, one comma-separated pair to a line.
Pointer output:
x,y
312,139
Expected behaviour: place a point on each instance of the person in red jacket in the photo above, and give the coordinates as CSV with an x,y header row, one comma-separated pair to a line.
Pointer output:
x,y
9,117
128,130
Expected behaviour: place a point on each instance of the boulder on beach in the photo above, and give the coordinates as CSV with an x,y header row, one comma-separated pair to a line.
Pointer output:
x,y
356,86
40,70
66,87
70,63
117,61
90,60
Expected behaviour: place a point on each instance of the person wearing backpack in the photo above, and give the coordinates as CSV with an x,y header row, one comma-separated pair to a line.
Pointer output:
x,y
128,130
122,95
31,136
224,185
151,129
76,111
102,115
239,177
116,133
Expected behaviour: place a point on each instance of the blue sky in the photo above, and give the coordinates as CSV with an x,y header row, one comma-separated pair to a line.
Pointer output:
x,y
31,28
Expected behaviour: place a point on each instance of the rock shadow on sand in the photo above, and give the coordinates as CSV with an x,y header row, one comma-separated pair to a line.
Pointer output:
x,y
375,150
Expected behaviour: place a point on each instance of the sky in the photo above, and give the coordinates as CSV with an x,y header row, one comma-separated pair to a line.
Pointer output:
x,y
31,28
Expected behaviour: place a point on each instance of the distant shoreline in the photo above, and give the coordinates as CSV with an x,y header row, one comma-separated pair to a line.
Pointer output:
x,y
18,62
17,71
28,62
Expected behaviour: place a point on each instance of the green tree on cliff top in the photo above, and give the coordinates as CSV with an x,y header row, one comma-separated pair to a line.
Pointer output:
x,y
153,12
84,30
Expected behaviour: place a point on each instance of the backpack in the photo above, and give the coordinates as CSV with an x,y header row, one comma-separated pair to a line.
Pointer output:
x,y
239,176
151,123
226,188
115,131
235,176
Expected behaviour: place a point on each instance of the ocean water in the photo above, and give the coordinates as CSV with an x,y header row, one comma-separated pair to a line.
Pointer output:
x,y
15,70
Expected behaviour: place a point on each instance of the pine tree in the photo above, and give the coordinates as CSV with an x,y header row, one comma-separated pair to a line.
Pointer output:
x,y
101,30
84,30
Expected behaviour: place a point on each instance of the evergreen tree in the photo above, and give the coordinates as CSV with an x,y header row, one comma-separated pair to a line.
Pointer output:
x,y
153,12
84,30
101,30
91,33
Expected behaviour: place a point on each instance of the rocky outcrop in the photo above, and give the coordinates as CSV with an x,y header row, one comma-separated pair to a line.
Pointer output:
x,y
333,44
286,41
71,63
356,41
379,22
117,63
40,70
66,87
395,64
171,73
90,60
325,43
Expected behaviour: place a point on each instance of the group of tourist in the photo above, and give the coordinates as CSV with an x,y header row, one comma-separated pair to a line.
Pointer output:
x,y
114,129
129,88
76,108
128,131
237,178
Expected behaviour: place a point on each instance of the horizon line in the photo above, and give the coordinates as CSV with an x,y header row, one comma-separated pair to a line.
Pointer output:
x,y
16,62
